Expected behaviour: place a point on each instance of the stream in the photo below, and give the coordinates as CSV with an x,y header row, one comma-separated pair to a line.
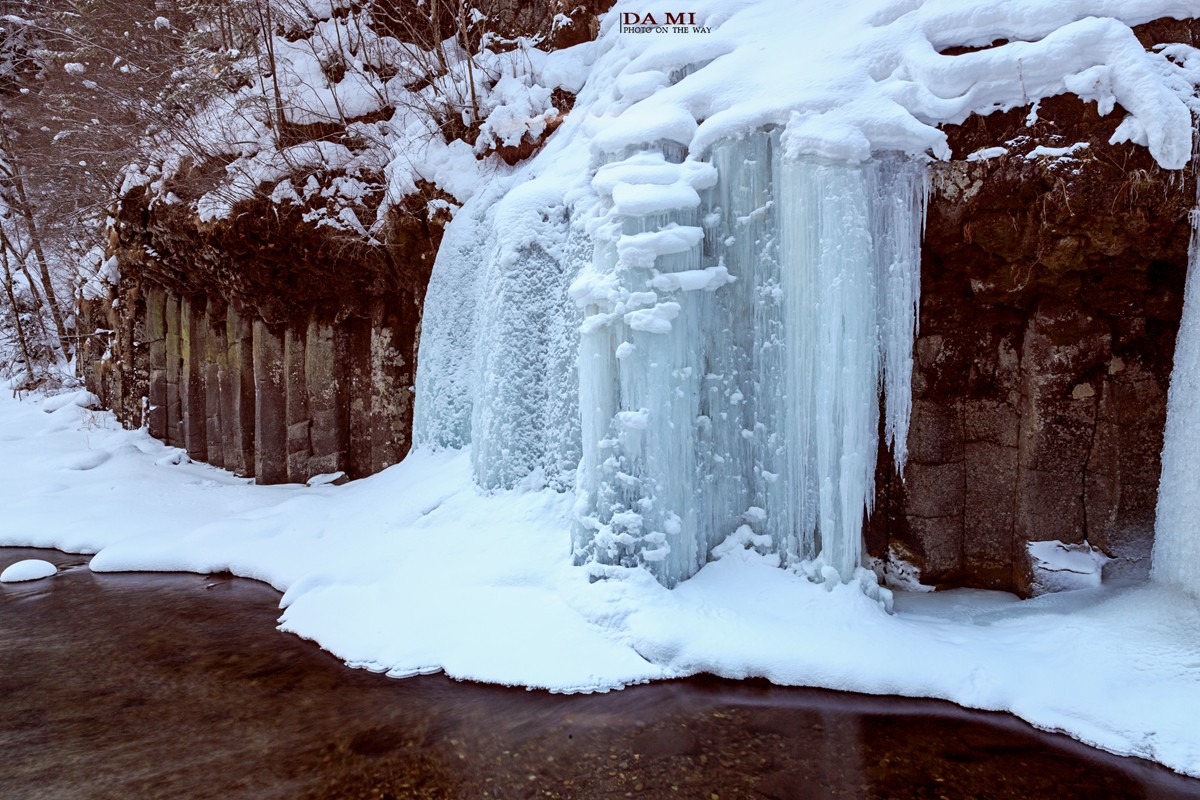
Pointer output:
x,y
177,686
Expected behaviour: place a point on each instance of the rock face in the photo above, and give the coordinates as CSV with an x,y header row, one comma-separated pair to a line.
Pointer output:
x,y
1051,292
263,346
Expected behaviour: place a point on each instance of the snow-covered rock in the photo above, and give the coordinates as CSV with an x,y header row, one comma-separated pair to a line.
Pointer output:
x,y
1060,567
31,569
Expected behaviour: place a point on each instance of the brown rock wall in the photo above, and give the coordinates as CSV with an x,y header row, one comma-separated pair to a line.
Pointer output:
x,y
1051,293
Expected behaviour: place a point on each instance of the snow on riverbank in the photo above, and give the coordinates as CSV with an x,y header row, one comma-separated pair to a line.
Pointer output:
x,y
411,571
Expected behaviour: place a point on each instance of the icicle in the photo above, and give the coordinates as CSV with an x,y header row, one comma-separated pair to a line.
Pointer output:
x,y
747,374
1176,555
832,374
900,197
640,368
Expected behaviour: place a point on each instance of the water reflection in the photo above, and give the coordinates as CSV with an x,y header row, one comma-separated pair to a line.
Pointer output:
x,y
176,686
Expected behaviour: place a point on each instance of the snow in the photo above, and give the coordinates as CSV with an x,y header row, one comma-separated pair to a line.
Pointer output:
x,y
874,78
1060,567
413,570
986,153
31,569
1042,151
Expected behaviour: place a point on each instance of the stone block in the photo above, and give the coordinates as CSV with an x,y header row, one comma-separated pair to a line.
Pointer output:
x,y
1049,507
992,421
940,544
934,490
935,432
991,480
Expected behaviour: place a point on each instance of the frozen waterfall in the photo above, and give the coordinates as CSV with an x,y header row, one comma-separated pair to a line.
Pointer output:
x,y
1176,557
733,353
717,377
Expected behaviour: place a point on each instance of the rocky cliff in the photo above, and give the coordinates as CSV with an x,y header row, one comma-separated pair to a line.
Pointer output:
x,y
259,343
1051,290
276,340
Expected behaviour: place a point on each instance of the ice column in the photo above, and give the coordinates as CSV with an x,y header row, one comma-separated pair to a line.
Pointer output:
x,y
730,383
1176,556
831,386
640,366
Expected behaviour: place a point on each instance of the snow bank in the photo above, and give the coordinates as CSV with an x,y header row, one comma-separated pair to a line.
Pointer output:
x,y
1060,567
414,570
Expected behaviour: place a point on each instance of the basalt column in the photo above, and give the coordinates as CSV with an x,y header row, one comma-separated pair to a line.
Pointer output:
x,y
328,408
173,370
299,448
237,393
215,367
156,336
192,393
391,389
270,405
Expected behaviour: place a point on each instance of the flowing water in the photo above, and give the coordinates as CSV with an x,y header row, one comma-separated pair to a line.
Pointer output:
x,y
177,686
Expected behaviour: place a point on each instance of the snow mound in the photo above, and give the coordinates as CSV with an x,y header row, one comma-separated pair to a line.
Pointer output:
x,y
81,398
31,569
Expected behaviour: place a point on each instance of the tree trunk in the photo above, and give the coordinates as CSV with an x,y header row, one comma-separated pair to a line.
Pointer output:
x,y
36,241
12,300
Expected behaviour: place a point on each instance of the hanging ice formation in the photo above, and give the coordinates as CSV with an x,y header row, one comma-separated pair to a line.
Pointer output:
x,y
740,318
1176,556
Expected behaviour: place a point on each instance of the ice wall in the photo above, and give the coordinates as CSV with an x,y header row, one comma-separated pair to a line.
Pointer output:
x,y
499,338
706,341
741,318
1176,556
701,287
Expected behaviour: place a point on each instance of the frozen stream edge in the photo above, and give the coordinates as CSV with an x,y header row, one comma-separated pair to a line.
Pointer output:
x,y
414,570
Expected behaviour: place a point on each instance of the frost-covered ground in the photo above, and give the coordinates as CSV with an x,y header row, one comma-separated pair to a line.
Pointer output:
x,y
412,571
